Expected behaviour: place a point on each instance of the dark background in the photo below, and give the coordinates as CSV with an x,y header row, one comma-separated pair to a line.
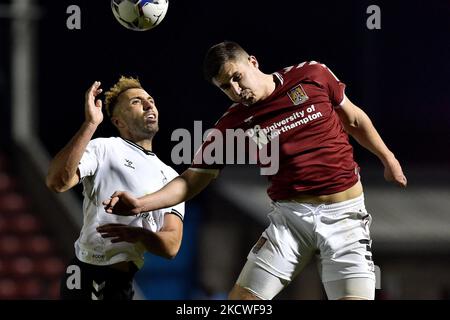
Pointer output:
x,y
398,75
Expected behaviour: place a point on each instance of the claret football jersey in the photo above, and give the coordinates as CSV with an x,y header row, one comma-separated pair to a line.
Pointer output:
x,y
315,156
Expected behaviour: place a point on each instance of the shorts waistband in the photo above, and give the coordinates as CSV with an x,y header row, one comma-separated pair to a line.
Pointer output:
x,y
344,204
124,267
333,207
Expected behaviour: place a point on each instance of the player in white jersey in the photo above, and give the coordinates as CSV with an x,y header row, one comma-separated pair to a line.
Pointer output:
x,y
110,248
318,200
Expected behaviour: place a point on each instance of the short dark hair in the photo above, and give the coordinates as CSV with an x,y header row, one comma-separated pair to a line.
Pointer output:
x,y
218,55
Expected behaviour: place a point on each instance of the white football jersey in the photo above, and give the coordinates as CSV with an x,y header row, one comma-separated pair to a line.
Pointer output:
x,y
117,164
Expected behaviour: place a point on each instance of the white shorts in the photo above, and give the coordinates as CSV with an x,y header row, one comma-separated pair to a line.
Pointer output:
x,y
337,233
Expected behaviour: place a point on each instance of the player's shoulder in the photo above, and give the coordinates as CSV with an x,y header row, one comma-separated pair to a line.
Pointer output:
x,y
106,142
106,145
305,67
308,70
230,116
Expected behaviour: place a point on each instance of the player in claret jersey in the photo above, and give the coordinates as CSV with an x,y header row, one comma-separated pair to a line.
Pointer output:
x,y
318,201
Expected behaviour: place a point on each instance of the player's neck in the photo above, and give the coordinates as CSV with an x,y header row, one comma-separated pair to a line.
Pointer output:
x,y
146,144
269,85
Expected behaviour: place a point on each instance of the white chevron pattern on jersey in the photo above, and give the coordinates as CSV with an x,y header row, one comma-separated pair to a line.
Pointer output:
x,y
97,293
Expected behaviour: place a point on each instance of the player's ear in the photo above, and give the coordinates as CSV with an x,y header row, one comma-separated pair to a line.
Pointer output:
x,y
117,122
253,61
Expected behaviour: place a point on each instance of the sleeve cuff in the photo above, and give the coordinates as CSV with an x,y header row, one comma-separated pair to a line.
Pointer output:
x,y
175,212
341,104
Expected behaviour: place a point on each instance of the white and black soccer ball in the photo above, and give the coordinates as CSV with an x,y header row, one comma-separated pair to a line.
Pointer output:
x,y
139,15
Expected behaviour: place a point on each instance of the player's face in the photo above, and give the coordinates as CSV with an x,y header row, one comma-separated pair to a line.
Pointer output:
x,y
138,112
240,81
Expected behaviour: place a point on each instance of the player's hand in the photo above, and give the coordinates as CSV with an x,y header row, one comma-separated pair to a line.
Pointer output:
x,y
122,203
121,232
393,172
93,108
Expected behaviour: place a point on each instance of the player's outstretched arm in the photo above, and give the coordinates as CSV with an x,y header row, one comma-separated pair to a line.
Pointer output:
x,y
62,174
164,243
359,126
180,189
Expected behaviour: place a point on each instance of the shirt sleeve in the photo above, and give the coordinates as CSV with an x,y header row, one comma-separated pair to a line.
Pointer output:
x,y
326,78
210,156
179,208
90,160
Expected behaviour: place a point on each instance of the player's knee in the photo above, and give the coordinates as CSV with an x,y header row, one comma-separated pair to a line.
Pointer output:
x,y
239,293
351,289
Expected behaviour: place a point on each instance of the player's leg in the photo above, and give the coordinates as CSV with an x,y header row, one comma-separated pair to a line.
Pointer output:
x,y
83,281
240,293
345,250
76,281
256,283
119,283
350,289
279,255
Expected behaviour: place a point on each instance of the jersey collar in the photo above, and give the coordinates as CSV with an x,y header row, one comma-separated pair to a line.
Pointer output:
x,y
147,152
278,78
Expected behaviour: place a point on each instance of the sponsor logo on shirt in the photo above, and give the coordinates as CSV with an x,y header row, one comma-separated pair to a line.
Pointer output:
x,y
98,257
298,95
129,164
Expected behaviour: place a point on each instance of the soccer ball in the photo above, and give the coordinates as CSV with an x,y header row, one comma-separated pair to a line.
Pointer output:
x,y
139,15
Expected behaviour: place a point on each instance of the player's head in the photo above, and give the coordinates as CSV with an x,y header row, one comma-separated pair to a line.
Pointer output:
x,y
131,109
235,72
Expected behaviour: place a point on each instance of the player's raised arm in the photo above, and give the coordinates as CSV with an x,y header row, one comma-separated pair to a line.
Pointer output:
x,y
62,174
358,124
180,189
165,243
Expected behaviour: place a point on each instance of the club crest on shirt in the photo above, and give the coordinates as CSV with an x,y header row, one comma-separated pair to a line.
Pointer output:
x,y
297,95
